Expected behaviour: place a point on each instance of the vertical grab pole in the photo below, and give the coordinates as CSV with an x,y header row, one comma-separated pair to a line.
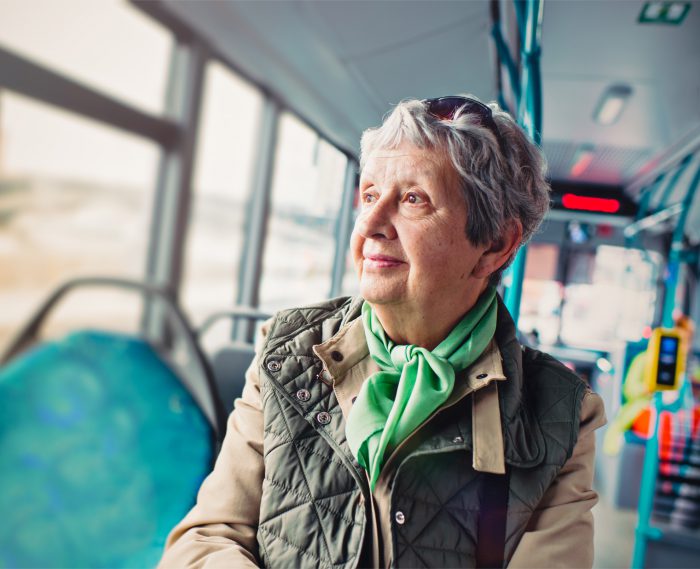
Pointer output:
x,y
645,531
647,488
530,117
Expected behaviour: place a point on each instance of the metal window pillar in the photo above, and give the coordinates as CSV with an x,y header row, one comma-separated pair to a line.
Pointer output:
x,y
40,83
174,184
257,213
344,227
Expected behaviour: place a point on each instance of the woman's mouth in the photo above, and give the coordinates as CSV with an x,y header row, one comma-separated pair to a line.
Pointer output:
x,y
381,261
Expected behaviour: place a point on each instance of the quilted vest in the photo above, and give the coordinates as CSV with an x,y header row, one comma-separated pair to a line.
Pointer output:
x,y
313,509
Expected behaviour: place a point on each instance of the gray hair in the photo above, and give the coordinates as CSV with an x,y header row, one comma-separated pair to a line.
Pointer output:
x,y
497,188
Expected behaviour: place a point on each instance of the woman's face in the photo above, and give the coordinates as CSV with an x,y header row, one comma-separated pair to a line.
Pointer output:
x,y
409,244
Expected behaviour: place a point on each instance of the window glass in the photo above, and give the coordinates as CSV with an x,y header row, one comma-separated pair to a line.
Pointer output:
x,y
541,295
110,45
350,285
616,303
75,199
306,196
223,166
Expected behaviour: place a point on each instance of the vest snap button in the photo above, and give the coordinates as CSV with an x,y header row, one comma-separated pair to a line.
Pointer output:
x,y
274,365
482,376
303,395
458,440
400,518
337,356
323,418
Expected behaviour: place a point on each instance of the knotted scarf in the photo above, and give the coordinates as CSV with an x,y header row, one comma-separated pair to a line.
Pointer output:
x,y
412,382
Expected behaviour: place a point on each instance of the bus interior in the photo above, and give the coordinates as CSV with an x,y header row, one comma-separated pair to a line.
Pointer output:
x,y
173,172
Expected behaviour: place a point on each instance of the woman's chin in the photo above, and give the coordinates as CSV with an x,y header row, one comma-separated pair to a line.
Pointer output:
x,y
380,293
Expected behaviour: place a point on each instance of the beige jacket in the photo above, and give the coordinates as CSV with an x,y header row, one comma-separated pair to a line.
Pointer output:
x,y
220,531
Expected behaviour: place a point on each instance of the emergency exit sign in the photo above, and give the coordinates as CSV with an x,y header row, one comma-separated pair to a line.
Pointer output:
x,y
664,13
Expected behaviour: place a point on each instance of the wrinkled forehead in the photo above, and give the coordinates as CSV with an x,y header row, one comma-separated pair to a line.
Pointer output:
x,y
406,160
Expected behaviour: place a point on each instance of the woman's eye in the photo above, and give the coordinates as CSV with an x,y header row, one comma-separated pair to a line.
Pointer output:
x,y
368,198
413,198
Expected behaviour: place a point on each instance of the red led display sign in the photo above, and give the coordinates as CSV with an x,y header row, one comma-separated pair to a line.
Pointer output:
x,y
588,203
591,198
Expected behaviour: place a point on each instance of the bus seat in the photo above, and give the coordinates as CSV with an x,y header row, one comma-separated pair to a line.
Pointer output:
x,y
230,364
102,451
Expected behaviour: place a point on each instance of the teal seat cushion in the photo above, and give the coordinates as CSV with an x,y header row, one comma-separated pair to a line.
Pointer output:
x,y
102,452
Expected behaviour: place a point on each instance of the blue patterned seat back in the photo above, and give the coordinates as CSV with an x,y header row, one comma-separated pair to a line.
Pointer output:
x,y
102,451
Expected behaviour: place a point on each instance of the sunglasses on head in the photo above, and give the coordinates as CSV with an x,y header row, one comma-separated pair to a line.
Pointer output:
x,y
446,108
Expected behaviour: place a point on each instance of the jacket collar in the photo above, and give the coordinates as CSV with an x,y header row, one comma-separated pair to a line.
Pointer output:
x,y
294,372
348,348
523,442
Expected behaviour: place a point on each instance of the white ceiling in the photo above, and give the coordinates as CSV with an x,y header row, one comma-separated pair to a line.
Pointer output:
x,y
342,64
588,46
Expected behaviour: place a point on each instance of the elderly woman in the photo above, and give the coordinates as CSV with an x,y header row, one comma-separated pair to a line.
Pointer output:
x,y
407,427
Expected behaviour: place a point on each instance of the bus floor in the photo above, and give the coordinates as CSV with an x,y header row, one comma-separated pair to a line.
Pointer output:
x,y
614,536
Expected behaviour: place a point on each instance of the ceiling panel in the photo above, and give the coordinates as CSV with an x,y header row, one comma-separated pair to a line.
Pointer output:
x,y
611,164
418,70
361,29
342,64
588,46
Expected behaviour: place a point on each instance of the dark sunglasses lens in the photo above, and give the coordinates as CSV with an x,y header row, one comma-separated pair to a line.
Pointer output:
x,y
445,108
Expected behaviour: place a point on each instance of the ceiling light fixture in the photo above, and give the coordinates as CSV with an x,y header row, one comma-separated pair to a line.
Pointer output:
x,y
582,159
664,13
611,104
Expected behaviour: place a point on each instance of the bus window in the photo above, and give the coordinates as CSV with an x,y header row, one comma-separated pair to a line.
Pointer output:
x,y
109,45
613,300
307,188
221,182
541,300
75,199
351,286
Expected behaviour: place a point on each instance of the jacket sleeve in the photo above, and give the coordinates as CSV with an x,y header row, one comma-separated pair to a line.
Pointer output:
x,y
560,532
221,528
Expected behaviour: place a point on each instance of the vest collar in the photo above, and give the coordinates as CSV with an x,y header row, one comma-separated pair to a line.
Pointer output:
x,y
524,444
348,375
524,440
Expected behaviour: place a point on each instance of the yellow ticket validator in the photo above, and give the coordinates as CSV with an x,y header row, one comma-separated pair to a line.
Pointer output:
x,y
664,361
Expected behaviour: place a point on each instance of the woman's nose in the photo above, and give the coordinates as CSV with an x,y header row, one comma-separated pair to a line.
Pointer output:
x,y
376,221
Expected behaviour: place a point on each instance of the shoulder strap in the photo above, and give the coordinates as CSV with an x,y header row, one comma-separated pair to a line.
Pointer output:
x,y
491,532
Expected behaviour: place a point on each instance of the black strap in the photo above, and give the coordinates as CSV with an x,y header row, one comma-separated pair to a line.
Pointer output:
x,y
493,509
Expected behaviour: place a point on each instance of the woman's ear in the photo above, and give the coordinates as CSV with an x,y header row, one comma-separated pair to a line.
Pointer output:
x,y
500,251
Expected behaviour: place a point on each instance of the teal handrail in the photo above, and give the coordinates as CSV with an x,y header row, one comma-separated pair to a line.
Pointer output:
x,y
645,529
530,118
506,59
675,259
646,195
668,190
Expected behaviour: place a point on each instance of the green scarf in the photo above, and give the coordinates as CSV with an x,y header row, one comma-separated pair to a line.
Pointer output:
x,y
413,381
